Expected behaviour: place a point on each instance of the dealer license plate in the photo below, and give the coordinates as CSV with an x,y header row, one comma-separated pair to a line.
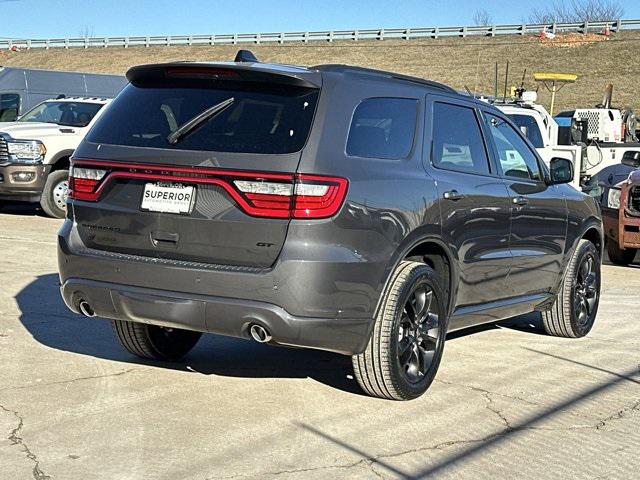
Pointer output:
x,y
167,198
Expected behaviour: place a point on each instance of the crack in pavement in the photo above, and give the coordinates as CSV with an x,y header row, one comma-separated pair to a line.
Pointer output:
x,y
371,461
620,414
484,391
72,380
15,439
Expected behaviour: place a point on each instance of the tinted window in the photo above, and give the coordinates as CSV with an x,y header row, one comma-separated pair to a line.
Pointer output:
x,y
529,127
516,158
9,106
383,128
69,114
270,119
457,140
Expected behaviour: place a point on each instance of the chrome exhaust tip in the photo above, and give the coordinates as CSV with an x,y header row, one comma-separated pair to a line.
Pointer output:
x,y
85,309
259,333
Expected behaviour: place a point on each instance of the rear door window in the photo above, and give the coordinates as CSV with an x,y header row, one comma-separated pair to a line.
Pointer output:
x,y
383,128
457,140
9,106
266,119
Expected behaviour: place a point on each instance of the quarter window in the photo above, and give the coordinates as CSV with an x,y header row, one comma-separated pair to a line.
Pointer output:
x,y
516,158
383,128
457,140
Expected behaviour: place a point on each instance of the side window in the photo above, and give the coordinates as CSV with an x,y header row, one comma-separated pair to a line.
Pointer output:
x,y
383,128
515,157
457,140
9,106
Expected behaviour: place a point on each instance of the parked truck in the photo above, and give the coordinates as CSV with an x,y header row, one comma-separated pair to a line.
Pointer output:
x,y
593,139
35,151
620,205
21,89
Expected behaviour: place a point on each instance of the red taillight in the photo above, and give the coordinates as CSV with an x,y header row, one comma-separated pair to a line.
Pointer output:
x,y
308,196
271,195
84,182
318,197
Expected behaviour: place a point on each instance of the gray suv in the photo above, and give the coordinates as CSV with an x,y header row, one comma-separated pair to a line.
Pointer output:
x,y
333,207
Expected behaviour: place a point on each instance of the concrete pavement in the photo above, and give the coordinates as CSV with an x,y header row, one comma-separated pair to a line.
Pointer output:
x,y
508,401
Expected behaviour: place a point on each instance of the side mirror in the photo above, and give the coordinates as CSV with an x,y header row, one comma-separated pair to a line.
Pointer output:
x,y
631,159
561,171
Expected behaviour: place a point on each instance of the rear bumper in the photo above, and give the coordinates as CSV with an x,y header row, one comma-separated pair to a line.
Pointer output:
x,y
218,315
14,188
318,298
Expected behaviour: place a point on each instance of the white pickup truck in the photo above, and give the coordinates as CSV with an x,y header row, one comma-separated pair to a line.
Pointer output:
x,y
35,151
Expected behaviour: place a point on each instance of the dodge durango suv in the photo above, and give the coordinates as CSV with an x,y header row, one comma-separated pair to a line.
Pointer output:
x,y
338,208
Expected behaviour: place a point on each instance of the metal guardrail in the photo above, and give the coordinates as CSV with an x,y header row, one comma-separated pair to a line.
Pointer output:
x,y
325,36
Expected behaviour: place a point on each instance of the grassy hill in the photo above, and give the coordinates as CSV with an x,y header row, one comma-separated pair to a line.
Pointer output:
x,y
457,61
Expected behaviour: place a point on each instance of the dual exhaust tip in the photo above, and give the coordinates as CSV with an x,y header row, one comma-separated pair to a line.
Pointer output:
x,y
85,309
257,332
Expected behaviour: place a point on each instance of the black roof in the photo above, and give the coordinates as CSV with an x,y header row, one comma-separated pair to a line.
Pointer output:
x,y
340,68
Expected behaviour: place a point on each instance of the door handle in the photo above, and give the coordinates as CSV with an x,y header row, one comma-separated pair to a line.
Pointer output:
x,y
520,201
452,195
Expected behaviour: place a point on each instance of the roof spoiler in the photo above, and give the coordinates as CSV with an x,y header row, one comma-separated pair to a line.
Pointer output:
x,y
227,72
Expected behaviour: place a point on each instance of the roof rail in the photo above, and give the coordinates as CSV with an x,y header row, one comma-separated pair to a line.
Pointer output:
x,y
382,73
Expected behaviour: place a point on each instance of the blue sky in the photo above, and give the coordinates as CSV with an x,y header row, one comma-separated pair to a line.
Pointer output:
x,y
63,18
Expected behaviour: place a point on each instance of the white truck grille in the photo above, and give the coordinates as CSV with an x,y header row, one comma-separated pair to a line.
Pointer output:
x,y
4,152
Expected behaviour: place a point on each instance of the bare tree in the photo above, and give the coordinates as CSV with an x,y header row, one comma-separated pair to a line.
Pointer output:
x,y
482,17
87,32
578,11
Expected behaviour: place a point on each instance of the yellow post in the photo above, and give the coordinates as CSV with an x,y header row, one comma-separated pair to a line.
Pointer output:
x,y
553,97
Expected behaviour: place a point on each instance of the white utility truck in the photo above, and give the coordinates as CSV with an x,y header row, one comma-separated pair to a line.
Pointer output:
x,y
595,138
35,150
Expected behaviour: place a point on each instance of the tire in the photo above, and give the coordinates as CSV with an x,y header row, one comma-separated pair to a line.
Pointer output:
x,y
620,256
154,342
54,194
579,290
383,370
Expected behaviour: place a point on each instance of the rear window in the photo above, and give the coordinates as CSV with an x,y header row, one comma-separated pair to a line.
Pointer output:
x,y
383,128
267,119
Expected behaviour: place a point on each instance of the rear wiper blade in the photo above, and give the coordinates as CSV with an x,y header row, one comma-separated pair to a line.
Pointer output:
x,y
188,127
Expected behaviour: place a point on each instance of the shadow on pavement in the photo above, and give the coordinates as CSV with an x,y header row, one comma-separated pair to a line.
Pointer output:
x,y
21,208
479,446
48,320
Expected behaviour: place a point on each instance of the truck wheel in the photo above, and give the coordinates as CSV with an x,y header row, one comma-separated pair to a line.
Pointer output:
x,y
574,312
54,194
406,346
620,256
154,342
